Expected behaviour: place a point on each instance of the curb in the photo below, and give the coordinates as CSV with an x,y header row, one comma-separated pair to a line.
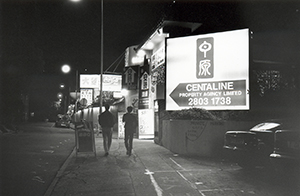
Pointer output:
x,y
59,173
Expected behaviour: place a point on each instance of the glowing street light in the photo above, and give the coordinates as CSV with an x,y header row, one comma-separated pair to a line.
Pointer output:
x,y
66,68
59,96
62,86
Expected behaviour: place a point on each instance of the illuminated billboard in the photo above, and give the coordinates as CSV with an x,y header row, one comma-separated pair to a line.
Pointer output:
x,y
208,71
110,82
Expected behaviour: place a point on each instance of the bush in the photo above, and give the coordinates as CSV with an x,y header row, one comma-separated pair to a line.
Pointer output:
x,y
202,114
193,114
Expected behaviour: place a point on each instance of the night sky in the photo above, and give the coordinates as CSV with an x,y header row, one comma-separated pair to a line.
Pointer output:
x,y
59,32
39,36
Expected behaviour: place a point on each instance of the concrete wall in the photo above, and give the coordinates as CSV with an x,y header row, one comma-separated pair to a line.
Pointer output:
x,y
201,138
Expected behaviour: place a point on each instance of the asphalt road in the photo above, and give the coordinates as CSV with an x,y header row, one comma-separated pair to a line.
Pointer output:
x,y
30,159
153,170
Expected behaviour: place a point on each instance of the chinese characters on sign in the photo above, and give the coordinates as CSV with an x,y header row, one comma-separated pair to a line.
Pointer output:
x,y
205,58
208,71
110,82
87,94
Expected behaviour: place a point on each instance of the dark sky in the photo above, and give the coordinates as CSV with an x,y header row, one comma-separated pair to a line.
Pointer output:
x,y
56,32
39,36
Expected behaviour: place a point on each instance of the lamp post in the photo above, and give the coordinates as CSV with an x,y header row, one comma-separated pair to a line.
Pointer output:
x,y
66,69
101,63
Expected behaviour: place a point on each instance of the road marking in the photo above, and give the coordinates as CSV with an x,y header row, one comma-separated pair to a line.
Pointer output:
x,y
39,179
191,184
225,189
48,151
182,176
177,164
157,188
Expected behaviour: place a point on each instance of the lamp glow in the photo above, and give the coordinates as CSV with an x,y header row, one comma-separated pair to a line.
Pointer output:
x,y
65,68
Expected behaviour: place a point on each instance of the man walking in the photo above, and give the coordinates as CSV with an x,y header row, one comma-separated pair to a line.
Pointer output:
x,y
130,127
106,120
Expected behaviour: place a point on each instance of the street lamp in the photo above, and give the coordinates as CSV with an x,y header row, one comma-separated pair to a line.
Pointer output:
x,y
66,68
59,96
62,86
101,63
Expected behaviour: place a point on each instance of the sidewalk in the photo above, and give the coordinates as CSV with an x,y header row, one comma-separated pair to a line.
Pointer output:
x,y
116,174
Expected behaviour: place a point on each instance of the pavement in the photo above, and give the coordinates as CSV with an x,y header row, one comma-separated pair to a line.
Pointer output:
x,y
112,175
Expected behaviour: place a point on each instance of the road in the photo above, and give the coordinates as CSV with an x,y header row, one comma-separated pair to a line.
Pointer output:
x,y
153,170
31,158
187,176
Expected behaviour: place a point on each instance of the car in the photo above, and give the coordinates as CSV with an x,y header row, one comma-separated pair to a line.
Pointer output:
x,y
252,148
286,154
63,120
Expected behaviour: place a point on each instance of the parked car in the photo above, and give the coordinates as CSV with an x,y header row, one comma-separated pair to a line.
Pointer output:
x,y
286,154
252,148
63,120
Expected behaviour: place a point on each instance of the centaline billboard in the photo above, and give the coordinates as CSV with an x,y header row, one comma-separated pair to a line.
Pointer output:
x,y
208,71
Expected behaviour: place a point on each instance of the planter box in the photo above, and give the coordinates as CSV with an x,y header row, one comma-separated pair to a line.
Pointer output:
x,y
198,137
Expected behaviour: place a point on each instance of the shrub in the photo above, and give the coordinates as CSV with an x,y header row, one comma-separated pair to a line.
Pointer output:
x,y
193,114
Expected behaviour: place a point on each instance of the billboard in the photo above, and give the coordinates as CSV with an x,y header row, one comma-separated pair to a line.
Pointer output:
x,y
208,71
110,82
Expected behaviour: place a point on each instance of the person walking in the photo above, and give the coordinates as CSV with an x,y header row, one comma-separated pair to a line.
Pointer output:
x,y
106,121
130,128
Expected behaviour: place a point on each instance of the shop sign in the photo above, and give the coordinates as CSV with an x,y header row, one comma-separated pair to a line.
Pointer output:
x,y
130,78
158,58
146,123
87,94
89,81
144,87
110,82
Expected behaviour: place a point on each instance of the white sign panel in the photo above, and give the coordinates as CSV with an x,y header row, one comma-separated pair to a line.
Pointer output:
x,y
121,129
158,58
146,123
89,81
208,71
87,94
110,82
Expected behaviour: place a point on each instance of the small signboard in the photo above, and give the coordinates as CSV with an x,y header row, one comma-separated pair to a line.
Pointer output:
x,y
130,78
146,123
85,139
121,129
144,98
87,94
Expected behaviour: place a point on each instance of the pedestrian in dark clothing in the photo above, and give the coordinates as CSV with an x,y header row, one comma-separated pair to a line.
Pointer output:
x,y
106,120
130,128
